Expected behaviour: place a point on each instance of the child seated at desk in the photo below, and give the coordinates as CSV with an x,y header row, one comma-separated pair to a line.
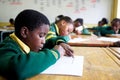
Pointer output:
x,y
59,34
11,21
21,54
113,29
79,28
102,23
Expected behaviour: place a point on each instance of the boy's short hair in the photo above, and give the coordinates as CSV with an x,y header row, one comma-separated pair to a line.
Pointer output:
x,y
115,20
58,18
66,18
80,20
30,19
105,20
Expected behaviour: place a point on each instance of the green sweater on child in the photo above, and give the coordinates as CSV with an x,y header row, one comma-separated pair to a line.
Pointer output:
x,y
19,63
53,37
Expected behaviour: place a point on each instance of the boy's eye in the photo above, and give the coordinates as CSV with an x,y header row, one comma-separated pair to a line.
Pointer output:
x,y
42,35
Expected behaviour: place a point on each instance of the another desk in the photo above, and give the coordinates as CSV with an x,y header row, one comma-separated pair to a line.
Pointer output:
x,y
113,35
5,32
99,64
92,41
115,51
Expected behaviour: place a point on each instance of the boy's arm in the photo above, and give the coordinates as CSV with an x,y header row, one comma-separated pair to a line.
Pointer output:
x,y
27,65
106,30
52,39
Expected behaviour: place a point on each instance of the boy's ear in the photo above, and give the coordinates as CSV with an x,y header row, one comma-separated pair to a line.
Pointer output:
x,y
24,32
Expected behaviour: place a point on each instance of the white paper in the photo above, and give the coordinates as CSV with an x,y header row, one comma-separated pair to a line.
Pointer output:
x,y
77,40
67,66
108,39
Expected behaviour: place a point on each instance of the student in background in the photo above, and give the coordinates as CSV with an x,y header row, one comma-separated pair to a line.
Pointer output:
x,y
96,30
59,34
79,27
104,22
11,21
21,54
78,22
100,24
113,29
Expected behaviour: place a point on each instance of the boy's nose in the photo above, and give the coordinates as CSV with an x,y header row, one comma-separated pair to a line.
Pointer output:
x,y
43,40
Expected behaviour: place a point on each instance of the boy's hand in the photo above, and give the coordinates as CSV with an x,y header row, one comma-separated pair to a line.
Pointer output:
x,y
67,48
60,50
116,44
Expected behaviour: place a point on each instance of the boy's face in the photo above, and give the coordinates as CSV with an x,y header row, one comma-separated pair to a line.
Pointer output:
x,y
65,29
115,26
77,24
35,39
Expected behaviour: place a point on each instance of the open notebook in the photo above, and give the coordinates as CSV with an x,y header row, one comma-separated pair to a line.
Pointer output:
x,y
67,66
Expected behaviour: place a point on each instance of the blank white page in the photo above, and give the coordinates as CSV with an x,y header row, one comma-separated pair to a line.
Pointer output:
x,y
108,39
77,40
67,66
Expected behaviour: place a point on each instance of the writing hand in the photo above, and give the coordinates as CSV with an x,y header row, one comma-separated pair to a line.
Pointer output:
x,y
60,50
67,48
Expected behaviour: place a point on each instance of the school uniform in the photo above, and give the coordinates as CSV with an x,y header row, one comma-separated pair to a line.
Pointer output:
x,y
105,25
97,30
17,62
80,28
107,30
53,37
83,30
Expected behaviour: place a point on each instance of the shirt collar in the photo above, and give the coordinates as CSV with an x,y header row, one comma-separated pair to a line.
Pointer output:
x,y
22,45
57,29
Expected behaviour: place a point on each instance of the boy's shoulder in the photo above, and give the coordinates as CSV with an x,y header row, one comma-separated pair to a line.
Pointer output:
x,y
107,27
53,27
8,43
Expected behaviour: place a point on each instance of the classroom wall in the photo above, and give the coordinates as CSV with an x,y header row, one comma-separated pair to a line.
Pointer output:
x,y
90,10
118,9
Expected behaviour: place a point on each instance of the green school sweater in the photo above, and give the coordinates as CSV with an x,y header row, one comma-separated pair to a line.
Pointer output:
x,y
107,30
103,31
53,37
97,30
16,64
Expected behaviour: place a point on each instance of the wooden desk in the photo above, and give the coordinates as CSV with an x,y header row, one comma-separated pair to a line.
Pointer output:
x,y
6,28
92,41
99,64
115,51
113,35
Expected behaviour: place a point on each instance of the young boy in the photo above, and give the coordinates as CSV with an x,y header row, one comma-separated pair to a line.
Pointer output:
x,y
79,27
59,34
104,22
113,29
21,54
11,21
